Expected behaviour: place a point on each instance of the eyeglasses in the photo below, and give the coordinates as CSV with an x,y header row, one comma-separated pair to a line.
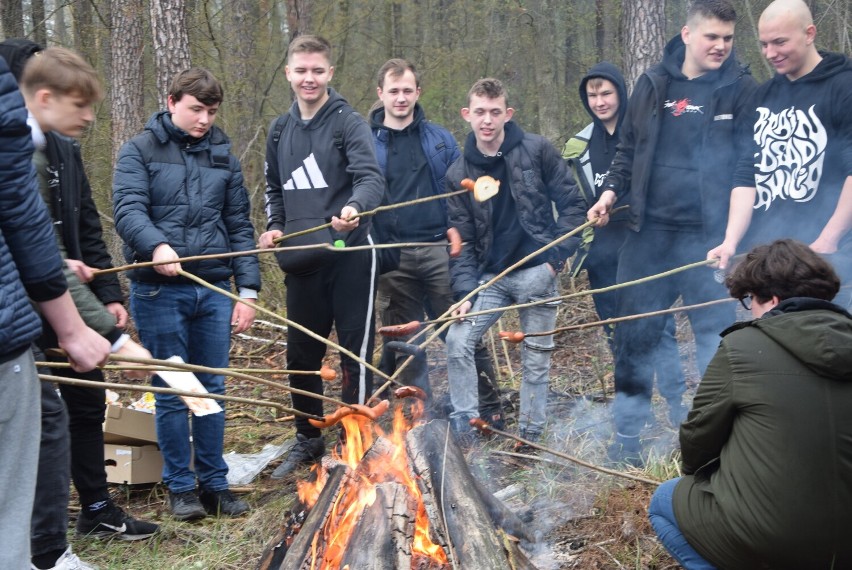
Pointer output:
x,y
746,302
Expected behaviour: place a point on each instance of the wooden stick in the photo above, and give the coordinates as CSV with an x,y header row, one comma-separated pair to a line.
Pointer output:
x,y
326,373
172,391
290,323
488,429
169,365
578,293
505,346
326,246
512,335
373,212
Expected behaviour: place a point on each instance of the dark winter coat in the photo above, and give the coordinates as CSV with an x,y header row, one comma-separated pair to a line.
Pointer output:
x,y
539,181
725,137
29,259
77,216
767,447
186,192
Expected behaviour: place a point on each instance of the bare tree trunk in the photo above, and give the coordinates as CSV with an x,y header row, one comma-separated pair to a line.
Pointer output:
x,y
170,42
60,29
81,11
600,29
644,25
299,17
12,18
545,67
39,27
127,71
242,81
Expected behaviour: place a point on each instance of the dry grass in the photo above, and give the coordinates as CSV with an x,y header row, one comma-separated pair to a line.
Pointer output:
x,y
583,519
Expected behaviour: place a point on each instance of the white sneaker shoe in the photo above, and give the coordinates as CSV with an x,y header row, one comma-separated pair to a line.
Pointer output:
x,y
69,561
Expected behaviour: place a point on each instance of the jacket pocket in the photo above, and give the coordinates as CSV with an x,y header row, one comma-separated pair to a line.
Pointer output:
x,y
314,255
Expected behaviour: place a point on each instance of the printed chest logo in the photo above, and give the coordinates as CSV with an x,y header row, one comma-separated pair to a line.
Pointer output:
x,y
600,177
306,177
682,107
789,162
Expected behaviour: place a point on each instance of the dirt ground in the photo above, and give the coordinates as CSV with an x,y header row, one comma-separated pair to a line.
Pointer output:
x,y
582,519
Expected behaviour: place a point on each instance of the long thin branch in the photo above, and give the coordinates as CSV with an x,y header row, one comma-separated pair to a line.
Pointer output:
x,y
293,324
570,458
172,391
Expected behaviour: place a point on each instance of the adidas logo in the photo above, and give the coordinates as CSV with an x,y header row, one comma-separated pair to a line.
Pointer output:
x,y
306,177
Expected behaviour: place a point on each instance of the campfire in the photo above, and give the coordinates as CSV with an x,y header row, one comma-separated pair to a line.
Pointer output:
x,y
397,501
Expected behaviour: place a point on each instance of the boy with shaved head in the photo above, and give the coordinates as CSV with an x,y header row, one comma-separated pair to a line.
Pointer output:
x,y
798,180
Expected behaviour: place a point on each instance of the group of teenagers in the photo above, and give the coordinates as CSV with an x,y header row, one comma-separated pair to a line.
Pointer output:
x,y
709,163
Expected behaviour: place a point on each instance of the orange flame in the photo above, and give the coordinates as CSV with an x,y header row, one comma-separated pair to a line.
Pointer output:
x,y
355,496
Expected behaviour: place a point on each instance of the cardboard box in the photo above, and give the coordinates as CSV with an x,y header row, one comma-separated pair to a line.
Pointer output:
x,y
131,427
133,464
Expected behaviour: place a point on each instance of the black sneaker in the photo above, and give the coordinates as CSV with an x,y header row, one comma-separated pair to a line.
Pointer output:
x,y
494,419
526,448
306,451
463,433
625,451
223,503
186,506
112,522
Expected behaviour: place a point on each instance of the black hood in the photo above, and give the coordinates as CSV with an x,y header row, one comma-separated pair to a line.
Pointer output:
x,y
605,70
16,52
832,63
334,103
377,118
514,135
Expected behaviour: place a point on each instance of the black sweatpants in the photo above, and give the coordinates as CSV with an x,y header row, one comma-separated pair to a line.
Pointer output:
x,y
341,294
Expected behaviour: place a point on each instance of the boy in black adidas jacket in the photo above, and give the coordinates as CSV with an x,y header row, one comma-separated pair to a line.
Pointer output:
x,y
321,167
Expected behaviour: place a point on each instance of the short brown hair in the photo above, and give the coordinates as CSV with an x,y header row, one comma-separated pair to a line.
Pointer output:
x,y
62,71
784,268
489,87
199,83
309,44
722,10
396,67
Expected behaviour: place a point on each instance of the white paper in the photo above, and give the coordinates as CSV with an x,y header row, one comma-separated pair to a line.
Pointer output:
x,y
187,382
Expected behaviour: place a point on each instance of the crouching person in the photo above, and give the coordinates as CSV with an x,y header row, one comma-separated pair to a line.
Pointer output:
x,y
768,443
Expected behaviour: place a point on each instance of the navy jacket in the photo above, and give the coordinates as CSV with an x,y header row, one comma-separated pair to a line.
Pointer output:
x,y
186,192
29,258
439,146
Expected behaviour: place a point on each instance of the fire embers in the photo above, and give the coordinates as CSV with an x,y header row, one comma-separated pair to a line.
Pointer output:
x,y
404,500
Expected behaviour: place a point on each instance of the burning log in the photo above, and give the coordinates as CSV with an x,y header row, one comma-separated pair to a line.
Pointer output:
x,y
404,501
468,512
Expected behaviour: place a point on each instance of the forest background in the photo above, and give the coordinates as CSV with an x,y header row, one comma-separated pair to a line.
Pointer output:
x,y
539,48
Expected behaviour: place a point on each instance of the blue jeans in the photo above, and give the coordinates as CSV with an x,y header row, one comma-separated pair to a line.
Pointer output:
x,y
421,285
662,516
520,286
192,322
